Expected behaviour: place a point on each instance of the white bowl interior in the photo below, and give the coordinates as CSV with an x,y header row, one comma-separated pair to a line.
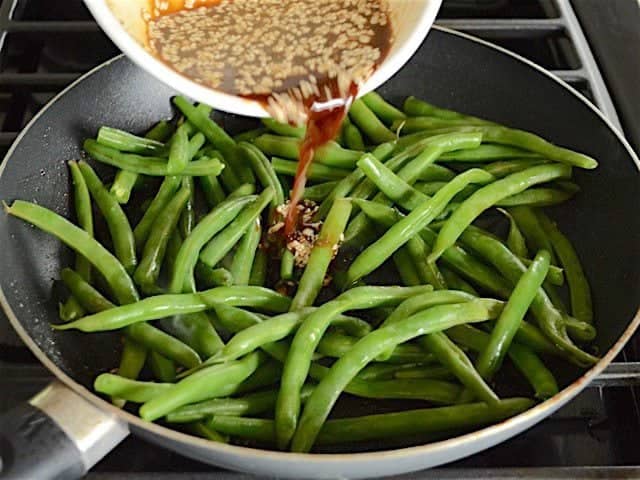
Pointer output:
x,y
124,22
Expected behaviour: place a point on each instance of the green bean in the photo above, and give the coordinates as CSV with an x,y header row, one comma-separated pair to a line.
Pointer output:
x,y
252,404
252,338
530,336
162,306
351,181
390,184
207,432
507,325
173,247
283,129
205,384
528,141
351,136
455,257
243,258
455,282
536,373
415,107
456,361
335,344
222,243
428,272
264,171
436,372
127,389
381,108
254,333
487,196
330,155
549,319
258,273
316,171
419,124
80,241
243,190
213,277
266,375
306,340
165,193
537,197
529,224
153,166
159,341
178,152
211,224
163,369
213,192
523,358
555,275
407,271
407,389
485,153
188,217
579,330
374,255
342,372
127,142
436,173
385,371
256,429
70,310
216,135
429,150
155,247
382,426
287,263
196,331
119,228
321,254
369,124
132,361
579,290
515,239
90,299
447,353
249,135
319,192
507,167
84,215
412,422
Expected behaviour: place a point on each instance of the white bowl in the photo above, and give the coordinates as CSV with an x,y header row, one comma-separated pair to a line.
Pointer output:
x,y
123,21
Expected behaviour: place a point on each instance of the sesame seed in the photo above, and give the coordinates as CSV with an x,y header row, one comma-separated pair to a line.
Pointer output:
x,y
286,50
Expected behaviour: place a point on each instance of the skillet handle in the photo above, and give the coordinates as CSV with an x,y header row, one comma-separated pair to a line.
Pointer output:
x,y
55,435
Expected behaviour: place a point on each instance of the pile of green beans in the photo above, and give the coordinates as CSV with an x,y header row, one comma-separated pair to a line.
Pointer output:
x,y
402,295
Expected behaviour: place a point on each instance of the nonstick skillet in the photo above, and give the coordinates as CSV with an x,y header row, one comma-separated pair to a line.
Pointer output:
x,y
66,429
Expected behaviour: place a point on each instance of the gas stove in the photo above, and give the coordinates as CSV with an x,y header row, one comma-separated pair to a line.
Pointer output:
x,y
44,45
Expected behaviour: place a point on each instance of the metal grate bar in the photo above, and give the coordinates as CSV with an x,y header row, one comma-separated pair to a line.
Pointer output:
x,y
505,25
566,23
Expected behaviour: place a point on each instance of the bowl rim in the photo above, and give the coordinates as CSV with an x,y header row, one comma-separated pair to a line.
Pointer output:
x,y
232,103
501,430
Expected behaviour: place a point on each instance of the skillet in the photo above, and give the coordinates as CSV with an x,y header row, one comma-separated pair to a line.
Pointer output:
x,y
66,429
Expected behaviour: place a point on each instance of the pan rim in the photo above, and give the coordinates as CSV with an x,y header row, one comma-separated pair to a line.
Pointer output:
x,y
324,459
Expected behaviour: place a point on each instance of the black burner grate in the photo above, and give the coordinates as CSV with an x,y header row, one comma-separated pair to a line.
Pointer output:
x,y
44,45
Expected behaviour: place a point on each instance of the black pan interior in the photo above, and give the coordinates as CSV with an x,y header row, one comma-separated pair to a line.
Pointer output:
x,y
448,70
